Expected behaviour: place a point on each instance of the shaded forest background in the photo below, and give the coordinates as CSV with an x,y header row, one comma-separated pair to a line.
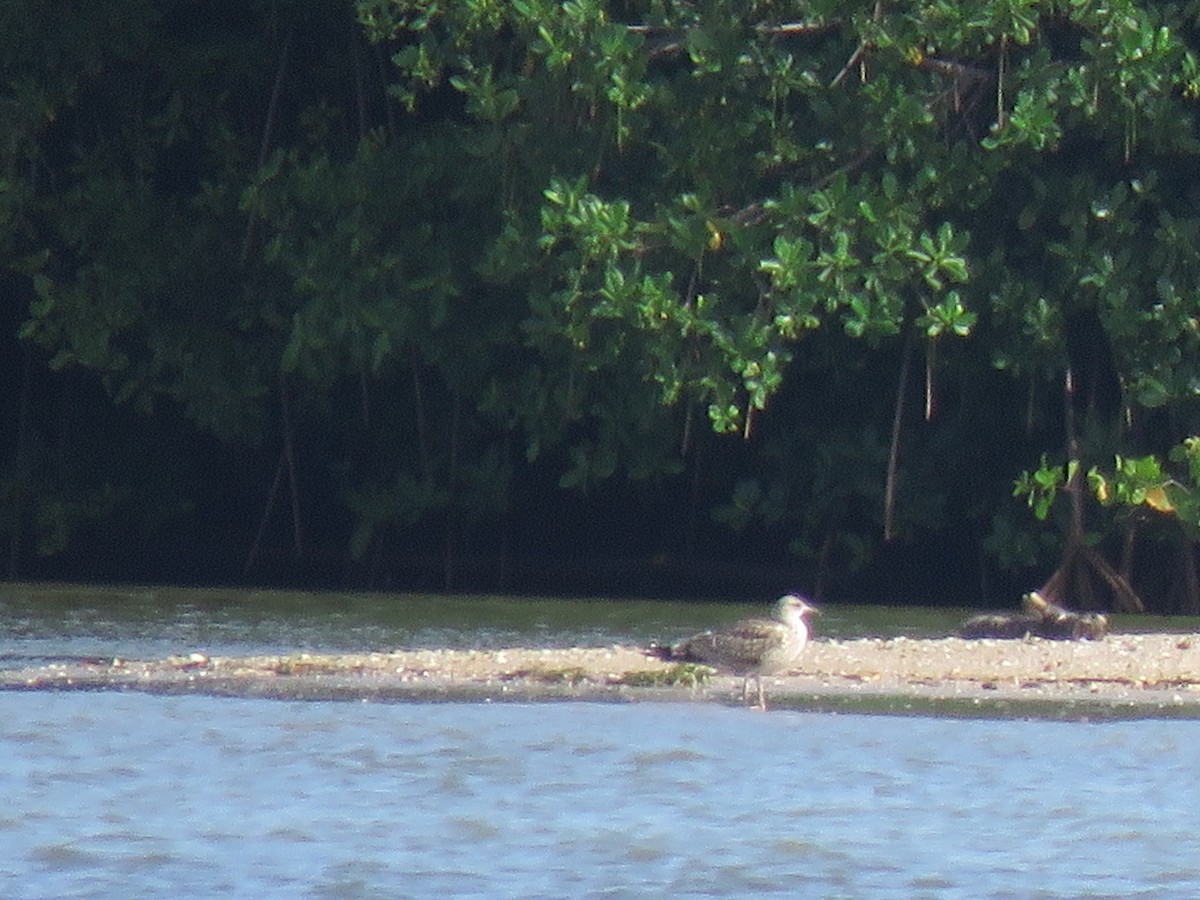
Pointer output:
x,y
898,304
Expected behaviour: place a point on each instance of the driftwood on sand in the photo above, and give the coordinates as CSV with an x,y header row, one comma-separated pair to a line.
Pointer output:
x,y
1039,618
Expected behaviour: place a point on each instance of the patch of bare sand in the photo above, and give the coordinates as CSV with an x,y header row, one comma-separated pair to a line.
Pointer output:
x,y
1147,660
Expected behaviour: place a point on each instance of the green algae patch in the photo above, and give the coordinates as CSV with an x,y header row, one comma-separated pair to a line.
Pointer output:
x,y
678,675
551,675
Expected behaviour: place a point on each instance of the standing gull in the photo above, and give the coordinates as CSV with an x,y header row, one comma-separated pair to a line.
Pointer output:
x,y
750,648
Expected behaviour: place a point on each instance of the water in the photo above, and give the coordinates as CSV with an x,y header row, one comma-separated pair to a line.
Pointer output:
x,y
47,621
40,621
131,795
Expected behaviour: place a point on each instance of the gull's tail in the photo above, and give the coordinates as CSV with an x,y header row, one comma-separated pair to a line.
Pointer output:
x,y
664,652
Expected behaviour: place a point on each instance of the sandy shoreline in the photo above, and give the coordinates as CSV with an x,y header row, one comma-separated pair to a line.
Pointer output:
x,y
1123,675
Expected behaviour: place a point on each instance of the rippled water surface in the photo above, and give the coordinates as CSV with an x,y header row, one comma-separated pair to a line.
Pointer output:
x,y
131,795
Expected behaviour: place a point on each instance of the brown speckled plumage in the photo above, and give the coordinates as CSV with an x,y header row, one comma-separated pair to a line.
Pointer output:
x,y
752,647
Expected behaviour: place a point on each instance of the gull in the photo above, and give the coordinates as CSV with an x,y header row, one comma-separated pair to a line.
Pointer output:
x,y
750,648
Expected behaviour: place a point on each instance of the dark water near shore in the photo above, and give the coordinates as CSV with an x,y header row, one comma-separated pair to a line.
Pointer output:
x,y
148,622
131,795
140,796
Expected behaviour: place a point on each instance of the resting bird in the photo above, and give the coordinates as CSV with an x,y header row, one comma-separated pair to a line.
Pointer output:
x,y
1040,618
750,648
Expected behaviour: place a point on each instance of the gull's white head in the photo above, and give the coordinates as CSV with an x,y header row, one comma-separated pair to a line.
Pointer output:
x,y
792,608
791,611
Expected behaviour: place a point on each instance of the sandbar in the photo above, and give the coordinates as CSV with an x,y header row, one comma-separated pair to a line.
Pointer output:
x,y
1121,676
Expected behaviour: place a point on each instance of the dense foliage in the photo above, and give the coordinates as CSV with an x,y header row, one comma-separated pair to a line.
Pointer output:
x,y
663,292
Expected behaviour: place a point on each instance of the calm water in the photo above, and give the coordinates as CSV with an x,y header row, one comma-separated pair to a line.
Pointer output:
x,y
139,796
50,620
140,622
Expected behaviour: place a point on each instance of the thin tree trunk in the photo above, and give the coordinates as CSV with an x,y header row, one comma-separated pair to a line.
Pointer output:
x,y
889,492
360,90
252,556
364,396
1072,584
506,524
289,452
692,530
823,566
1128,545
384,69
449,560
930,379
22,469
422,426
287,463
1074,486
1189,601
264,147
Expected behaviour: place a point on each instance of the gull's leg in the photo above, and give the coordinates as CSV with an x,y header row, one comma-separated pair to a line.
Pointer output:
x,y
761,704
